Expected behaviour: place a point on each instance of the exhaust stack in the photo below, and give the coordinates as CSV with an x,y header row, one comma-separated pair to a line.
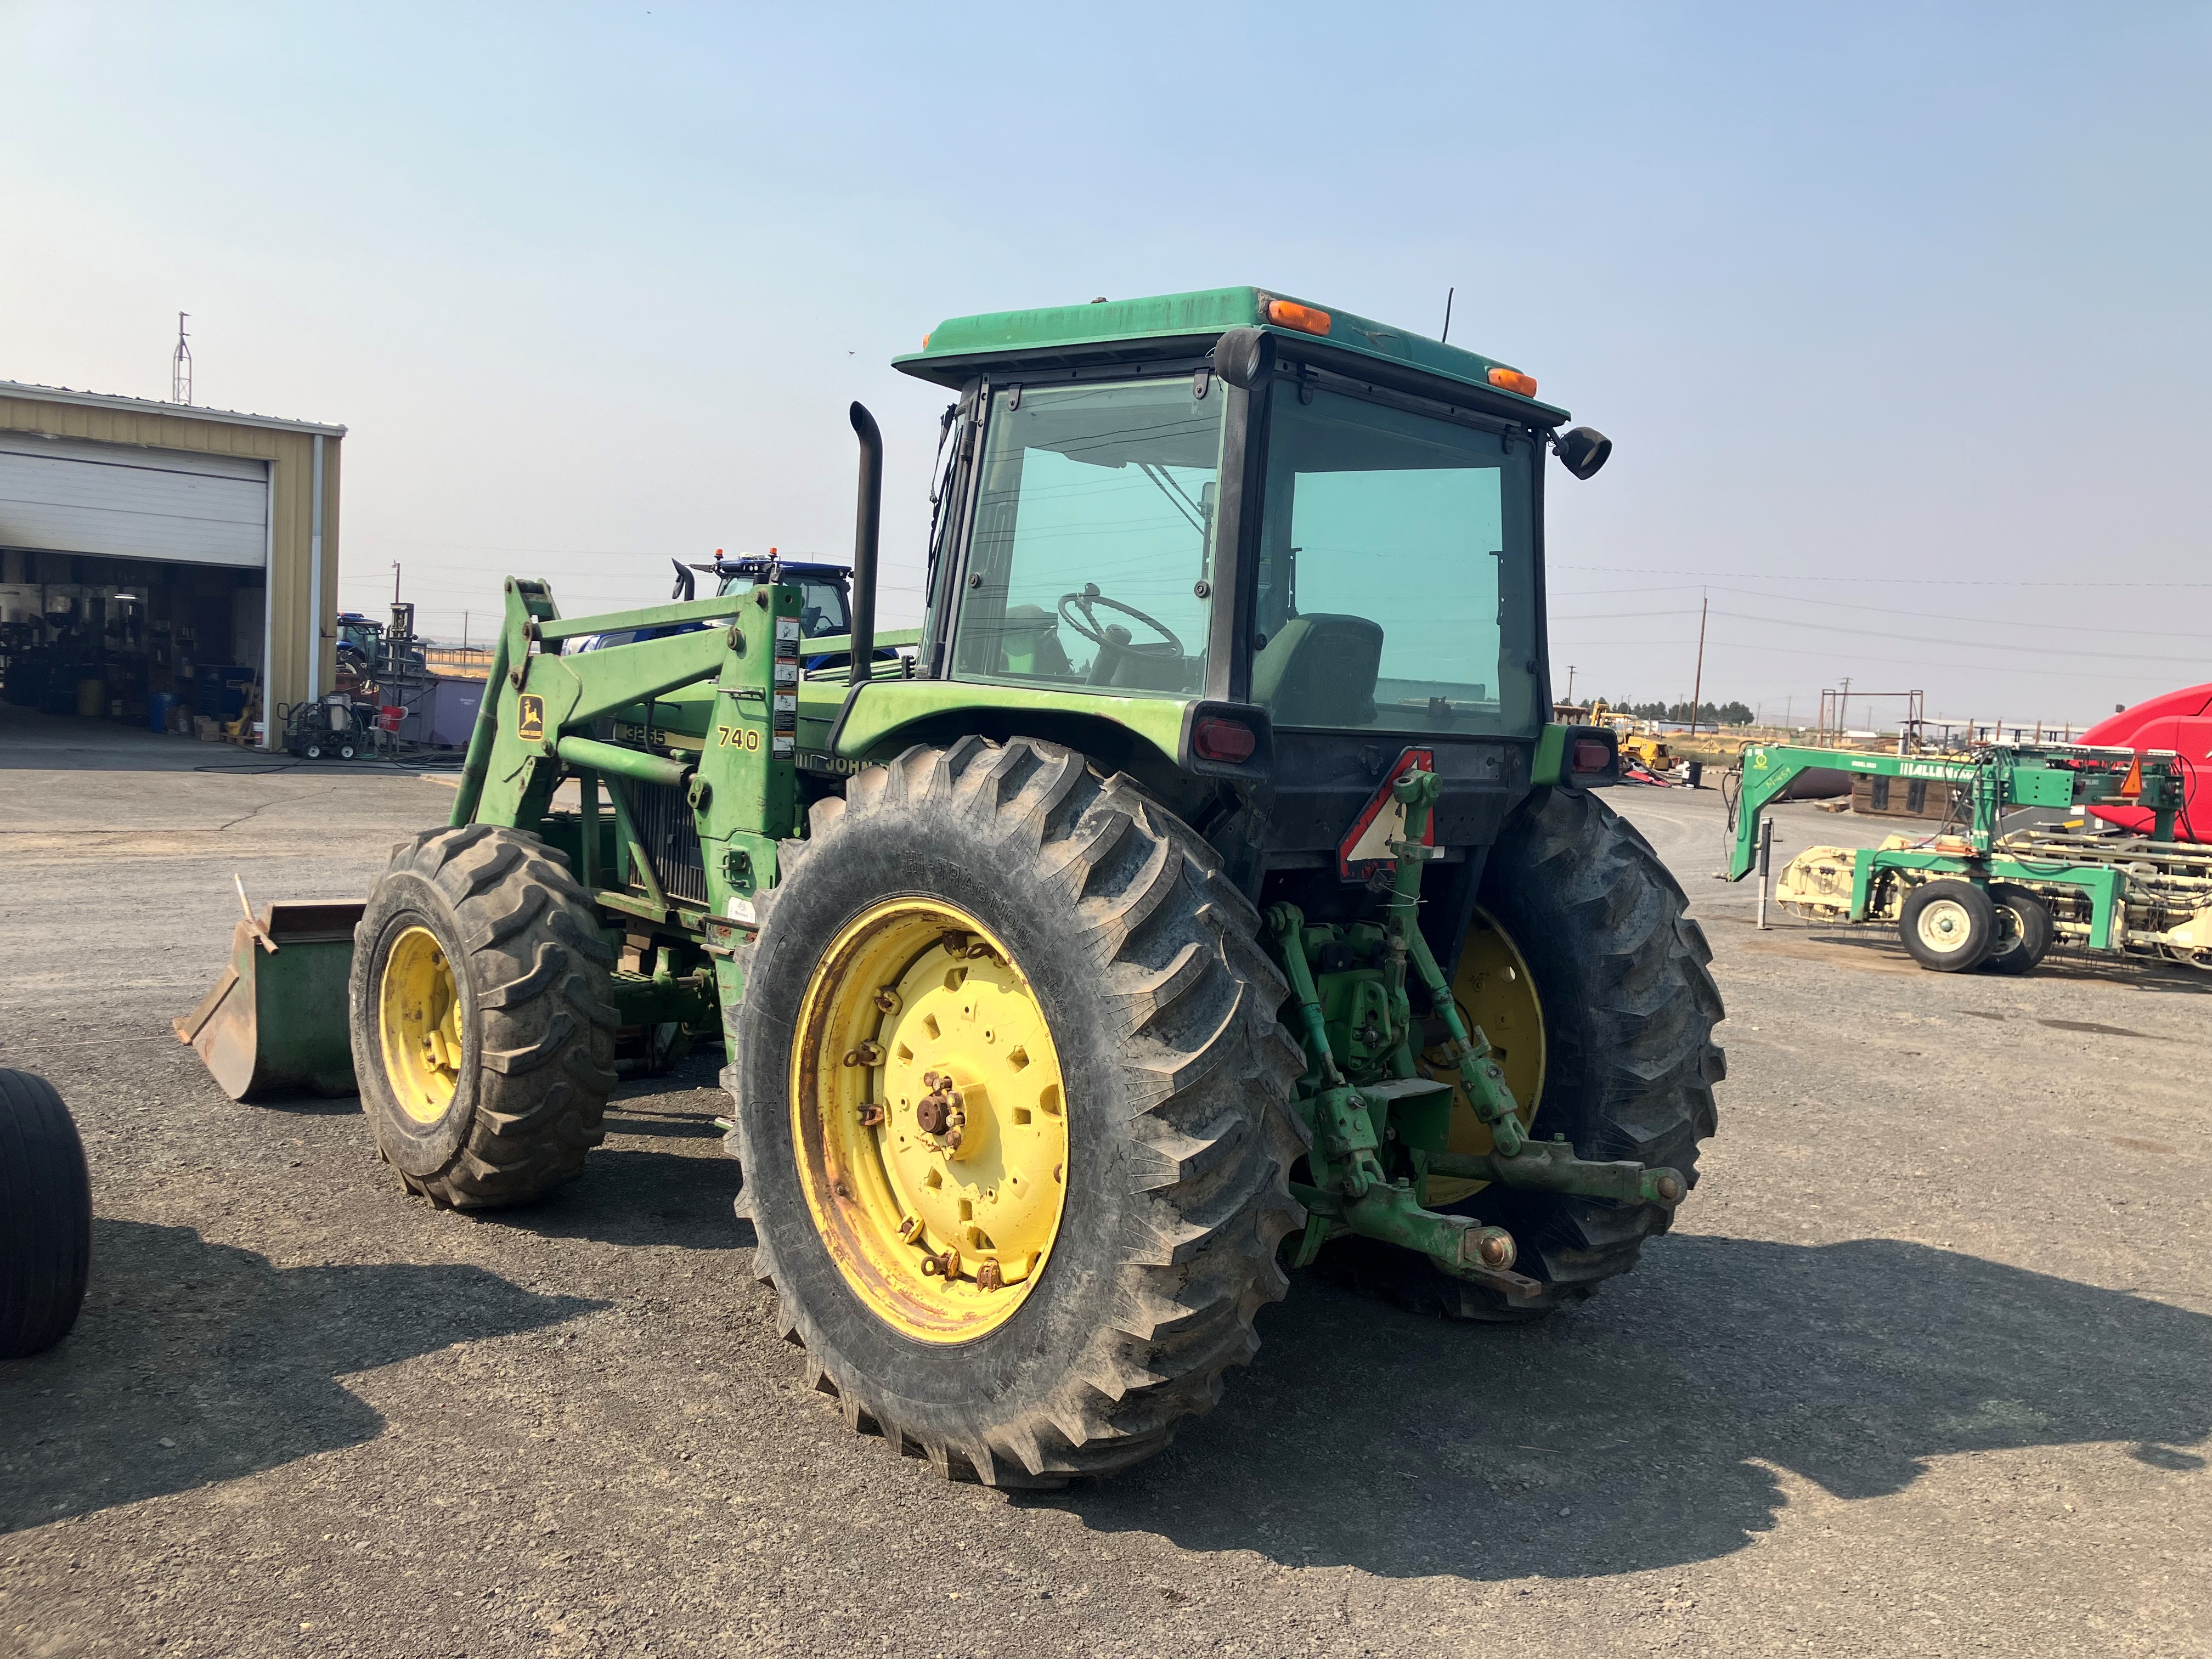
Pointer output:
x,y
868,525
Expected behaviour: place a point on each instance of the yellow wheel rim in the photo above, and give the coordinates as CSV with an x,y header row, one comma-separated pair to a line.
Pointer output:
x,y
929,1118
419,1020
1494,990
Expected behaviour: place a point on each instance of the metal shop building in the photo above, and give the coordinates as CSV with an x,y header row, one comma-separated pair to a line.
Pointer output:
x,y
161,561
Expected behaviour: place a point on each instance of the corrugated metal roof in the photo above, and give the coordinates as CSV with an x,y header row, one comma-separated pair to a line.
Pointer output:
x,y
62,394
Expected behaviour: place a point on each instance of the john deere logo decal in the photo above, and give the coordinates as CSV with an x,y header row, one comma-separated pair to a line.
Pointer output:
x,y
530,718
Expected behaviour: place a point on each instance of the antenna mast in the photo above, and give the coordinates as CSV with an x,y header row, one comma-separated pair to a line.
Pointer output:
x,y
180,366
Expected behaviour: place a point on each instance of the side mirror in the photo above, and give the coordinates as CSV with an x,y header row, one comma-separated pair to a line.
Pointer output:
x,y
684,588
1582,450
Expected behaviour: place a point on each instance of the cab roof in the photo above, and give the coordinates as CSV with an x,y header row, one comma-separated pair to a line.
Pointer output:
x,y
1106,332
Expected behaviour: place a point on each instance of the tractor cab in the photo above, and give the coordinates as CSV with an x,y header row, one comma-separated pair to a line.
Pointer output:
x,y
1319,538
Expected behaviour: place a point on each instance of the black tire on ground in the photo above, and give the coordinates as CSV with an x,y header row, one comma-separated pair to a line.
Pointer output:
x,y
1143,958
530,966
1947,925
2023,929
1630,1063
46,1216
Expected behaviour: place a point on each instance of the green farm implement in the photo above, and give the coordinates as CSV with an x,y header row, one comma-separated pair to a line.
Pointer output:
x,y
1973,897
1199,895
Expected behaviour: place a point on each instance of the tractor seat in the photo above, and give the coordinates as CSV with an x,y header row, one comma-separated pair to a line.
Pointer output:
x,y
1320,670
1029,643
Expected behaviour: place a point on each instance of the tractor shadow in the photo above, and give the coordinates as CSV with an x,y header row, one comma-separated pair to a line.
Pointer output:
x,y
1631,1434
635,1197
194,1363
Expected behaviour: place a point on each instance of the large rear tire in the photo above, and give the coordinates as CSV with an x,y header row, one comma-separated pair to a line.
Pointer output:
x,y
482,1035
1098,924
1629,1062
46,1216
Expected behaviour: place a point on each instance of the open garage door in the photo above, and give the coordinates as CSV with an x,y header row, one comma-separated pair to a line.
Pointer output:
x,y
118,501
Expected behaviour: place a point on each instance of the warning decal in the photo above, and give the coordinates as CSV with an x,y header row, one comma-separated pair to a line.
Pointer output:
x,y
1366,846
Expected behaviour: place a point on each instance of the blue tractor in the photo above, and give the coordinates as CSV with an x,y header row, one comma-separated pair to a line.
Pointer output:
x,y
826,590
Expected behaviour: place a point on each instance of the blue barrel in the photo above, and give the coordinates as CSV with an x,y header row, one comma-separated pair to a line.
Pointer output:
x,y
157,709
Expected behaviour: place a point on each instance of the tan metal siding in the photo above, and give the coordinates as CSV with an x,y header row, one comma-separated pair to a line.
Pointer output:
x,y
293,633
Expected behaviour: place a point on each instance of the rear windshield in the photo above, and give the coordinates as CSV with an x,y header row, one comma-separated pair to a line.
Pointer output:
x,y
1396,580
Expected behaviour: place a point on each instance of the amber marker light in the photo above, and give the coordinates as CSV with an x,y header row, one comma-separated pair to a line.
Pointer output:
x,y
1289,313
1514,380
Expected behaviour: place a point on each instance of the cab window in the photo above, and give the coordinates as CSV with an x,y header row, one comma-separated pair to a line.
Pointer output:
x,y
1092,559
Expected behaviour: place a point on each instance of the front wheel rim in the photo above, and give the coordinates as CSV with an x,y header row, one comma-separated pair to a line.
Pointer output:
x,y
929,1119
419,1025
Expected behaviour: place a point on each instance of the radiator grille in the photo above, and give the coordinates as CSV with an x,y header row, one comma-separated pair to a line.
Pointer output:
x,y
671,835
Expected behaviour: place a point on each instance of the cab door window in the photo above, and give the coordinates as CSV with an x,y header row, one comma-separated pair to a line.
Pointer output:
x,y
1092,559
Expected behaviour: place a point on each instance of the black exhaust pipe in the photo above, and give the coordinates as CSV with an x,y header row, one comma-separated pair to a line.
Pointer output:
x,y
867,525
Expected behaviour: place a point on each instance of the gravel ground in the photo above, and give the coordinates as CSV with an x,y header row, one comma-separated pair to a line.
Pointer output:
x,y
1926,1367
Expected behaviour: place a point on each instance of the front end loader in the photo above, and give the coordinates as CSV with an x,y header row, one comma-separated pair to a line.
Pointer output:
x,y
1199,895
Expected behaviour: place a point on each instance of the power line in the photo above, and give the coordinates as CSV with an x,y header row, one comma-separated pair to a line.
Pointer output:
x,y
1923,581
1889,611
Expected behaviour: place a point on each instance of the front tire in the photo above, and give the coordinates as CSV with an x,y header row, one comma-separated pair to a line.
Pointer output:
x,y
1947,925
1100,921
482,1035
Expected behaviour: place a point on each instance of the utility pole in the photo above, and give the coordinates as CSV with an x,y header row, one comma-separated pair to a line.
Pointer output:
x,y
1571,682
1843,709
464,630
1697,686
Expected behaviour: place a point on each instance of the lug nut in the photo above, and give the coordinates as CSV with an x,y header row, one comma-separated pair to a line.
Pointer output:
x,y
909,1230
887,1000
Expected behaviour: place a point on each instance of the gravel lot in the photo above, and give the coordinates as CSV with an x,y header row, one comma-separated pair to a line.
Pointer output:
x,y
1926,1367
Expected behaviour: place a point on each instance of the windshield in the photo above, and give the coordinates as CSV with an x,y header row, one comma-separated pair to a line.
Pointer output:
x,y
821,602
1397,578
1091,557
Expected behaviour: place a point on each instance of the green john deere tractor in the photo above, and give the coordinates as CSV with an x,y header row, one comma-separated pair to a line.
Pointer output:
x,y
1202,893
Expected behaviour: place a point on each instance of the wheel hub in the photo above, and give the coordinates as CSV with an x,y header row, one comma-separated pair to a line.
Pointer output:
x,y
930,1119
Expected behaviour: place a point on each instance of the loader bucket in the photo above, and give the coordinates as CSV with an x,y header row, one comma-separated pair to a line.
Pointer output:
x,y
275,1022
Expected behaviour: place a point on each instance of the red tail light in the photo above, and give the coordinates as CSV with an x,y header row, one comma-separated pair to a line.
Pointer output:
x,y
1591,756
1217,739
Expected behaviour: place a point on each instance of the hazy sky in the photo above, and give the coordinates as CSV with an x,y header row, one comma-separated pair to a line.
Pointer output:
x,y
1897,315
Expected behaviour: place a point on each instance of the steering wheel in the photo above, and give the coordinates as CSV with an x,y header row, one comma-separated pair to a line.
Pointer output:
x,y
1080,611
